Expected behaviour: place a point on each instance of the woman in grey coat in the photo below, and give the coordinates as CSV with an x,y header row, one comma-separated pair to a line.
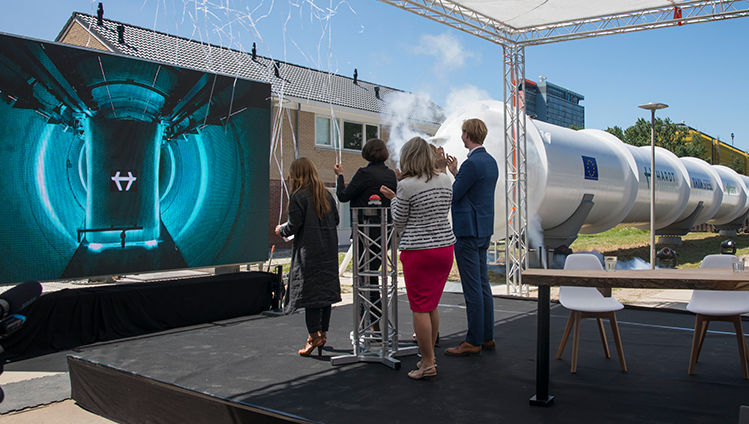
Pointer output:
x,y
313,279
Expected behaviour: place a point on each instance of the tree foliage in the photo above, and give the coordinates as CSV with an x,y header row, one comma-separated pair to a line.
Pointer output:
x,y
668,135
617,132
738,164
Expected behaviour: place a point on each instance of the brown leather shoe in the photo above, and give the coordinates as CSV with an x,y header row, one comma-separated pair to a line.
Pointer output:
x,y
464,349
489,345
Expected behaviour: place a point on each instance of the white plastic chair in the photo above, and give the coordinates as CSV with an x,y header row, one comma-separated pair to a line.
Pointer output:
x,y
588,302
712,305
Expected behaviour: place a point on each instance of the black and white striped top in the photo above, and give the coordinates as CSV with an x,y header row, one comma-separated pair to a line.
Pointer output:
x,y
420,209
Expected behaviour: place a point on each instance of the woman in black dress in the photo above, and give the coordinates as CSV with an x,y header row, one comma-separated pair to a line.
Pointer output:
x,y
365,183
313,278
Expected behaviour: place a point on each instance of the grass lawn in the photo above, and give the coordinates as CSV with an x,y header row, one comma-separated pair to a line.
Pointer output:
x,y
627,243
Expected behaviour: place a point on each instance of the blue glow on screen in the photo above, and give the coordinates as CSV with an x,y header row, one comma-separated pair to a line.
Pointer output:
x,y
41,183
98,247
172,172
64,144
203,186
81,159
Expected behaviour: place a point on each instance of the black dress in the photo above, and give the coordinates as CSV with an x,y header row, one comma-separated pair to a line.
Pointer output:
x,y
366,182
313,278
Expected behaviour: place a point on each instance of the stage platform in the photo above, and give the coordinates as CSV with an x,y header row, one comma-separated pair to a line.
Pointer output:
x,y
253,362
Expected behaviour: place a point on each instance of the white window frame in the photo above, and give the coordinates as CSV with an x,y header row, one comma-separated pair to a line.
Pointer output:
x,y
335,131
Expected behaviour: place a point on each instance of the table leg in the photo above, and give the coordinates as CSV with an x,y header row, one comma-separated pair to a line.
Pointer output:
x,y
542,397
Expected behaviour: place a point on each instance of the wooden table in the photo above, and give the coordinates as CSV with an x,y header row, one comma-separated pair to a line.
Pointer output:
x,y
695,279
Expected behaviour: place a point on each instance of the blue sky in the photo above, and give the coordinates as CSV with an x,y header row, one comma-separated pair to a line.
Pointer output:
x,y
700,70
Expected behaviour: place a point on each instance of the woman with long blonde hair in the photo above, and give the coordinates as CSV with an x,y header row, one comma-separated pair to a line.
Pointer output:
x,y
420,210
313,278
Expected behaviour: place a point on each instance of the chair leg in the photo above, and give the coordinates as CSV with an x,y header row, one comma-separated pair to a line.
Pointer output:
x,y
699,324
703,332
617,341
567,329
742,344
576,341
602,332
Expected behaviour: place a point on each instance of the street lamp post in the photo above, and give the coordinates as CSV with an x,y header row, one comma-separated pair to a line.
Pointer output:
x,y
652,107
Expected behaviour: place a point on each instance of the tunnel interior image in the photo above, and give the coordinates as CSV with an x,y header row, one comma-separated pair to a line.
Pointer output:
x,y
115,165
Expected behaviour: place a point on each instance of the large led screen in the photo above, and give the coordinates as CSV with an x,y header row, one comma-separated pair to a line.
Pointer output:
x,y
112,165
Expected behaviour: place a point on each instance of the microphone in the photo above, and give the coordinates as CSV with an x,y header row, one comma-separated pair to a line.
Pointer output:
x,y
19,297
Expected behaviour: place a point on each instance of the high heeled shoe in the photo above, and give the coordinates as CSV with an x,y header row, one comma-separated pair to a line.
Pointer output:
x,y
418,364
323,339
313,341
428,372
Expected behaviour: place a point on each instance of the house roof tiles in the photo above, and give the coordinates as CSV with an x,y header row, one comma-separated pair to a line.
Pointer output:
x,y
290,80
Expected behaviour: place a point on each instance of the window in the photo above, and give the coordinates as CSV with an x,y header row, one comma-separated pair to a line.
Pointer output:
x,y
326,131
354,134
372,131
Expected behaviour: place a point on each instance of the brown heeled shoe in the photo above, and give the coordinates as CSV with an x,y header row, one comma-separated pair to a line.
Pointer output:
x,y
313,341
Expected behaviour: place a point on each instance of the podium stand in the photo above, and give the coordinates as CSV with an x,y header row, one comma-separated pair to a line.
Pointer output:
x,y
375,333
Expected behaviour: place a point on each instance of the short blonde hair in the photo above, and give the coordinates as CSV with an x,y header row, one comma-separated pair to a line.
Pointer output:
x,y
476,130
417,159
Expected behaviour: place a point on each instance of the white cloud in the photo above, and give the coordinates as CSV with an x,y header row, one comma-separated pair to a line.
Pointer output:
x,y
448,51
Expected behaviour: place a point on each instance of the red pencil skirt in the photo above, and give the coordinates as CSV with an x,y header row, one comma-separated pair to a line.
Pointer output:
x,y
426,272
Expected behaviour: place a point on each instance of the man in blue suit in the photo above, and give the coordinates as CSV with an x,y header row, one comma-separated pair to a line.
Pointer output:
x,y
473,225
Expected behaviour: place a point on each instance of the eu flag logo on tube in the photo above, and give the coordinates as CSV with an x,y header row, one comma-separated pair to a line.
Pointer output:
x,y
591,168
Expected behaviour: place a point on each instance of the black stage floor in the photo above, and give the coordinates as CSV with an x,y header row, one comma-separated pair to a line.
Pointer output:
x,y
254,361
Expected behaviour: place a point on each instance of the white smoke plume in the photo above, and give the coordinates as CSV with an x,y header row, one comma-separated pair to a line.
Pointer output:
x,y
460,97
401,109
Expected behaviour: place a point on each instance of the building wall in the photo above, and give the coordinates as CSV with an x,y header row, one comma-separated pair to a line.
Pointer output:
x,y
562,106
323,157
720,153
79,36
553,104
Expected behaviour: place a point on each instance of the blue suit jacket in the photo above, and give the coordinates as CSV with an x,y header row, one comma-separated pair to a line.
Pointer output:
x,y
473,195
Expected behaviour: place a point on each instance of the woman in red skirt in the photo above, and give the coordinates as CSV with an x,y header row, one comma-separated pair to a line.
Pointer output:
x,y
420,211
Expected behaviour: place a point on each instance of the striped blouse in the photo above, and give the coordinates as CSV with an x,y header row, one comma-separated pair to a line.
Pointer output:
x,y
420,209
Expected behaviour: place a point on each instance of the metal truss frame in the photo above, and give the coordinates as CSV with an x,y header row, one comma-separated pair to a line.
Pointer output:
x,y
516,173
513,40
454,14
375,324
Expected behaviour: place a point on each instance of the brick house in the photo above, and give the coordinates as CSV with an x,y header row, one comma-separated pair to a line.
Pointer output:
x,y
313,111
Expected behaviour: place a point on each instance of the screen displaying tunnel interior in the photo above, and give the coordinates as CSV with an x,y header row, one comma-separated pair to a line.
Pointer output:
x,y
113,165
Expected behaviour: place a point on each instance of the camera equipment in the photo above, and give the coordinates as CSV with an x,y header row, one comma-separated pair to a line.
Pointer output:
x,y
666,258
728,247
12,302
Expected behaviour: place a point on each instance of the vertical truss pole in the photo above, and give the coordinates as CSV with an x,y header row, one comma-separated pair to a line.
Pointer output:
x,y
516,176
375,333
